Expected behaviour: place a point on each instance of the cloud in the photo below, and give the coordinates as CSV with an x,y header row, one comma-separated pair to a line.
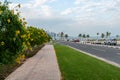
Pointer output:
x,y
36,3
100,5
35,9
90,17
46,11
67,11
80,1
82,16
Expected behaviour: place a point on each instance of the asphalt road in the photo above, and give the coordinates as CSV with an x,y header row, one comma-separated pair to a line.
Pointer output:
x,y
107,53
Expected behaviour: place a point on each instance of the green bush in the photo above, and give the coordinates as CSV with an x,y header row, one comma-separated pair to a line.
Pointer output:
x,y
37,36
11,28
15,38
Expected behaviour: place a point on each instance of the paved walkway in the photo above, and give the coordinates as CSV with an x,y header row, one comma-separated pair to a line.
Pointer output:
x,y
43,66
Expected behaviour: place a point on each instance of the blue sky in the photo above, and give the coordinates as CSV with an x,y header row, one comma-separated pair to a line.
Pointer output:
x,y
72,16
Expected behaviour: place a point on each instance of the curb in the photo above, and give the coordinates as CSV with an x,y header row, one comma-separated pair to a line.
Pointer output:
x,y
115,47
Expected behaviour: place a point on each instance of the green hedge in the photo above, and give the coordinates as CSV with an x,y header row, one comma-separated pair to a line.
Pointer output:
x,y
15,37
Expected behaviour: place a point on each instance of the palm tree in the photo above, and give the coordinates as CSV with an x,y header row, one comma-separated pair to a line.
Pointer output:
x,y
84,36
117,36
108,34
66,36
97,35
61,35
102,35
55,35
80,36
88,36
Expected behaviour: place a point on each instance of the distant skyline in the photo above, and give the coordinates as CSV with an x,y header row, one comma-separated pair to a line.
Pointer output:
x,y
72,16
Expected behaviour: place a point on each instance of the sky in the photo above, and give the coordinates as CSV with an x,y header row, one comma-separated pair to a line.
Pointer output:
x,y
72,16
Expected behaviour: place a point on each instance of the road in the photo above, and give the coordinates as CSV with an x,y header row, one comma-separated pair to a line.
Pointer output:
x,y
110,54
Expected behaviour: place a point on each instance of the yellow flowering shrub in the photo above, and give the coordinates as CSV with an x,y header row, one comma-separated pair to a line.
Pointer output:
x,y
19,5
30,48
20,59
15,37
37,36
2,43
8,20
1,12
23,36
17,32
11,29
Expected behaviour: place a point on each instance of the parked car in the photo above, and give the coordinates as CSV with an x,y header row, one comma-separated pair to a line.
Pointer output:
x,y
75,40
97,42
110,42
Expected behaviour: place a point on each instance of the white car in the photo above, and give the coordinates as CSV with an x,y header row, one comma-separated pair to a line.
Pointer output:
x,y
110,42
97,42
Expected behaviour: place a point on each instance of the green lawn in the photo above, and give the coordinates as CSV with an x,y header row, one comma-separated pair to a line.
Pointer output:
x,y
78,66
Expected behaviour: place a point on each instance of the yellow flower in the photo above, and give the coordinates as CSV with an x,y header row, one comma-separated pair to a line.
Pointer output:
x,y
27,31
24,26
12,11
23,36
18,60
23,56
28,35
31,39
24,23
2,43
23,43
23,18
18,14
20,20
1,12
17,32
8,20
19,5
28,43
30,48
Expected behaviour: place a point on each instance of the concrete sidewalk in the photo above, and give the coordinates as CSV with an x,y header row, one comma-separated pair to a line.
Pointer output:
x,y
43,66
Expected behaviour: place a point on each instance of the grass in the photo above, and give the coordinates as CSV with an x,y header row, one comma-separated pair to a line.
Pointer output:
x,y
75,65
